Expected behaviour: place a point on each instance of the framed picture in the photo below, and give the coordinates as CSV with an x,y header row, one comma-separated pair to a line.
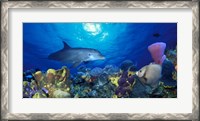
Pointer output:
x,y
100,59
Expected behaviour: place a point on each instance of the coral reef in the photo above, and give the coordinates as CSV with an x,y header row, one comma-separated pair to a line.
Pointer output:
x,y
95,72
172,56
114,80
46,84
111,69
108,82
169,73
61,94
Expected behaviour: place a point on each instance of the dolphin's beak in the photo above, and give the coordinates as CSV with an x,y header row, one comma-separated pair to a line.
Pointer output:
x,y
137,73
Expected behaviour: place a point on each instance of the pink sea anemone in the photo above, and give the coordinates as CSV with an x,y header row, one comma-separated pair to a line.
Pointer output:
x,y
157,52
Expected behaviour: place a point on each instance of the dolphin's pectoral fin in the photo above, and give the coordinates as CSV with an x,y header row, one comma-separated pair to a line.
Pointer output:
x,y
75,64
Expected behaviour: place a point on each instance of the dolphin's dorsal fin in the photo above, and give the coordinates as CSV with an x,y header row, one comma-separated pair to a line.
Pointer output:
x,y
66,46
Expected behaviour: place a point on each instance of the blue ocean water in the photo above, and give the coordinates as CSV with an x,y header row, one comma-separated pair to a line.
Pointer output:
x,y
116,41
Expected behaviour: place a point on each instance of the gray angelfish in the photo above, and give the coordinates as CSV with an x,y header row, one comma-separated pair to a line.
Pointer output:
x,y
150,74
75,56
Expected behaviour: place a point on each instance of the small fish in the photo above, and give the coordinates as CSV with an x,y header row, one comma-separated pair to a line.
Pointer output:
x,y
150,74
75,56
156,35
29,76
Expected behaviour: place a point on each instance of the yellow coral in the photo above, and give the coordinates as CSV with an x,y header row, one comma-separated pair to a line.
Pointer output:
x,y
38,73
114,80
33,84
161,83
26,93
114,96
60,84
68,89
174,75
49,85
84,76
39,95
38,76
64,72
76,96
61,94
25,83
131,73
51,90
50,76
168,87
52,71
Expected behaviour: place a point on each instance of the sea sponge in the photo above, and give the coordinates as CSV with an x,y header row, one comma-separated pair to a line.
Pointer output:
x,y
38,76
39,79
52,71
50,75
62,73
157,52
61,77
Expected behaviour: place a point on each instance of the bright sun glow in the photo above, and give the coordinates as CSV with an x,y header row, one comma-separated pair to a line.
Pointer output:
x,y
93,28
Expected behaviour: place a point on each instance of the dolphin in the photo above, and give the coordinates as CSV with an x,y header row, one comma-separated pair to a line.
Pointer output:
x,y
75,56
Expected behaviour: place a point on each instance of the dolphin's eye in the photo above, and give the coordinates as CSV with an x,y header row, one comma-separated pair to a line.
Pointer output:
x,y
140,70
89,54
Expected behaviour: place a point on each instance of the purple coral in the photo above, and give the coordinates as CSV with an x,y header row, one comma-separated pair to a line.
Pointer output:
x,y
131,79
124,74
28,92
125,85
122,82
157,52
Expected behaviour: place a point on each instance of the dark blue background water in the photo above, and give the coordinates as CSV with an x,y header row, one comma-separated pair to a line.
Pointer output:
x,y
116,41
